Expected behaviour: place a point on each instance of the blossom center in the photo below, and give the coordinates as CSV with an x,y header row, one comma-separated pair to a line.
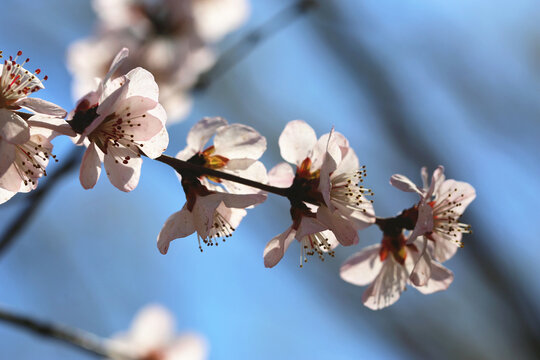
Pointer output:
x,y
394,245
347,191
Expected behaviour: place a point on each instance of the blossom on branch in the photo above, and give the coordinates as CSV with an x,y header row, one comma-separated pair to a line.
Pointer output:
x,y
328,206
16,84
118,122
386,268
152,337
442,202
214,206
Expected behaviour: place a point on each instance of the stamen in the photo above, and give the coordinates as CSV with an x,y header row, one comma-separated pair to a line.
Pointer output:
x,y
315,243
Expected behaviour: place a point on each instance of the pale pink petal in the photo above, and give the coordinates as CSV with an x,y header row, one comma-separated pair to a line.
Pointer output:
x,y
7,155
387,286
349,163
275,249
422,267
328,166
345,233
297,141
152,328
445,246
328,144
204,211
142,83
362,267
13,128
424,174
10,180
5,195
214,19
256,172
186,154
242,201
308,226
178,225
404,184
118,59
424,222
124,176
90,166
187,347
56,126
202,131
42,107
238,141
281,175
441,278
436,180
460,192
135,117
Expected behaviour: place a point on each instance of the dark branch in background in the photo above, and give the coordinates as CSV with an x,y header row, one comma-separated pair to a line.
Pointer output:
x,y
88,342
229,58
36,197
361,61
248,43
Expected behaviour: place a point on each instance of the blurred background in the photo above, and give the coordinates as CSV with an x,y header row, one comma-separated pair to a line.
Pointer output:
x,y
410,83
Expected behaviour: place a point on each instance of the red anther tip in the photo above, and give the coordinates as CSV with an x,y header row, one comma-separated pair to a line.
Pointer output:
x,y
19,53
45,78
37,71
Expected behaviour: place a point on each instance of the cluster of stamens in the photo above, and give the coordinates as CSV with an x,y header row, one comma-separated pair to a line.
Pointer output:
x,y
220,230
446,218
315,243
347,191
31,160
115,131
16,82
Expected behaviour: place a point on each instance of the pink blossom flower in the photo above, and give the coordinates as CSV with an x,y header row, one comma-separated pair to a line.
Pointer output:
x,y
386,267
16,84
214,207
441,204
152,337
21,165
119,122
328,206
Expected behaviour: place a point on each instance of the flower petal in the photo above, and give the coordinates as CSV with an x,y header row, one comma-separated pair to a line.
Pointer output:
x,y
178,225
387,286
152,328
203,130
297,141
90,166
13,128
422,264
281,175
187,346
5,195
41,106
440,279
362,267
256,172
345,233
123,167
238,141
404,184
275,249
7,155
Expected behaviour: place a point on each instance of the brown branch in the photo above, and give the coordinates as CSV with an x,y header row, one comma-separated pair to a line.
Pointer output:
x,y
77,338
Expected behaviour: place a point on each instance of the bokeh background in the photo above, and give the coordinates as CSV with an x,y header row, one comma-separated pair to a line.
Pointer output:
x,y
411,83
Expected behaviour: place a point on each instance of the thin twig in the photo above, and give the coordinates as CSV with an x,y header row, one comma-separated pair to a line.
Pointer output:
x,y
82,340
248,43
183,166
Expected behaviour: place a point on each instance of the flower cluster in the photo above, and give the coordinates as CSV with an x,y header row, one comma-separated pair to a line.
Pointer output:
x,y
414,243
169,38
25,146
121,120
